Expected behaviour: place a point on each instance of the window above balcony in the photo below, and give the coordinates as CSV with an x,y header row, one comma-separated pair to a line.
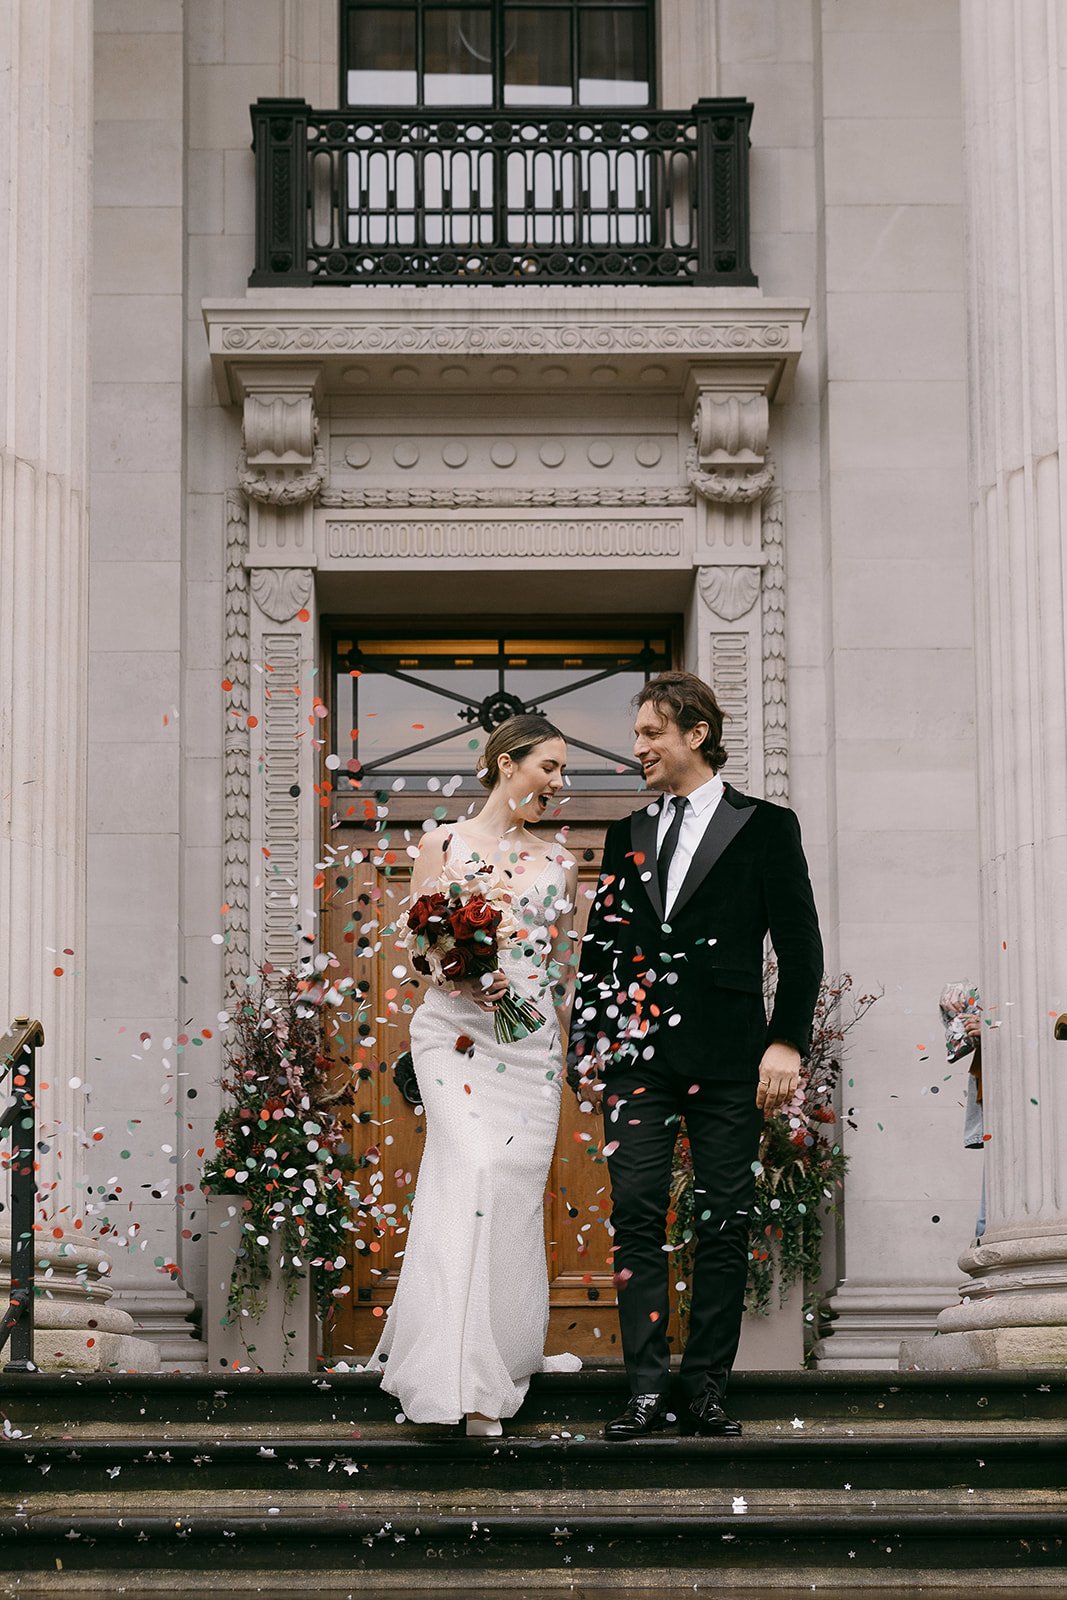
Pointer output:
x,y
497,54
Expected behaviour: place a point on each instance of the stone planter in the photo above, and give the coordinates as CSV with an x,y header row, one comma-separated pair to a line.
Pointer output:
x,y
284,1338
774,1343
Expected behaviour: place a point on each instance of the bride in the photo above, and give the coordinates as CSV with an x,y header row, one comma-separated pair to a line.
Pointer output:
x,y
468,1321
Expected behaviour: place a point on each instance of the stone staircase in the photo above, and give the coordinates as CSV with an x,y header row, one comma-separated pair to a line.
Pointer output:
x,y
847,1482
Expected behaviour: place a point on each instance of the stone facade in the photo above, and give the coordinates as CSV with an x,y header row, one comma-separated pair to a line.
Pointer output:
x,y
785,468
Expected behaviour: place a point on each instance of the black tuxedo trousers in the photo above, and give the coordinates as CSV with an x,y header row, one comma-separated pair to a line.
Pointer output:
x,y
644,1108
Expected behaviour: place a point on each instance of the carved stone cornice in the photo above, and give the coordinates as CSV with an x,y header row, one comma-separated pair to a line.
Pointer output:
x,y
642,336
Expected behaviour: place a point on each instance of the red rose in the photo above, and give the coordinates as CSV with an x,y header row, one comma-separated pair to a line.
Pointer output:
x,y
473,917
458,962
427,916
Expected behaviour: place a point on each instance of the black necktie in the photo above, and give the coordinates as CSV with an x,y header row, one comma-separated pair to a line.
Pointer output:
x,y
670,845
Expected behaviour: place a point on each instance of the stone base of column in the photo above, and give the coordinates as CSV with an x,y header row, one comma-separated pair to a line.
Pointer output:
x,y
872,1321
1012,1311
76,1328
162,1312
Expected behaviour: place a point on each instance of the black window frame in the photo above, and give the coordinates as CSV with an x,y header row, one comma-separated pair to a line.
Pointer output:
x,y
496,10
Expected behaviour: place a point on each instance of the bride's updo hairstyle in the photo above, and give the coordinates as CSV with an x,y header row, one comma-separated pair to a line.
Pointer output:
x,y
515,738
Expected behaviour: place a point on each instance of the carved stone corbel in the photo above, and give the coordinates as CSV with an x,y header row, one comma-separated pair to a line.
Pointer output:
x,y
282,463
727,460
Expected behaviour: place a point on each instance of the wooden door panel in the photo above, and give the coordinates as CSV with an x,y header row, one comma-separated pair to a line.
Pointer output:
x,y
387,1136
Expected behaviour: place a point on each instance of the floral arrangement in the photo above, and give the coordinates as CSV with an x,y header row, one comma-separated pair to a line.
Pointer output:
x,y
802,1167
452,934
280,1141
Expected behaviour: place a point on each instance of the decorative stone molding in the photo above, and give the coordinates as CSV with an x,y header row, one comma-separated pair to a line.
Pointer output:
x,y
728,490
280,592
501,499
775,725
756,732
551,540
730,677
500,338
281,808
729,591
277,486
237,776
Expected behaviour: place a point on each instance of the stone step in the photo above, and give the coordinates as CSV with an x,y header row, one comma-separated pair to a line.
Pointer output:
x,y
760,1462
144,1401
892,1541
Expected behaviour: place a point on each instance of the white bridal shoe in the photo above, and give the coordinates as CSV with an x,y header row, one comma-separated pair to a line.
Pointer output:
x,y
484,1428
562,1363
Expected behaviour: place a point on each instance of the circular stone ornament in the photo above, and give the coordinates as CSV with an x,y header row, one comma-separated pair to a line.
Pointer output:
x,y
552,453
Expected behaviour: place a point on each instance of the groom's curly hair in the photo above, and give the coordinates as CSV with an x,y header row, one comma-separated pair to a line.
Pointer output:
x,y
687,700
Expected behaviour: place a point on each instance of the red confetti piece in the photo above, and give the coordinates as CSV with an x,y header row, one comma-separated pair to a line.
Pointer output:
x,y
303,615
464,1043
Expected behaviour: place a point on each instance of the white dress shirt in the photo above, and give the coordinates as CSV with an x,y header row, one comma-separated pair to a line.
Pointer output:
x,y
698,813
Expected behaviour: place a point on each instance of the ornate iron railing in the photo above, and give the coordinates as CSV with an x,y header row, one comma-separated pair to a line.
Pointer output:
x,y
18,1056
420,197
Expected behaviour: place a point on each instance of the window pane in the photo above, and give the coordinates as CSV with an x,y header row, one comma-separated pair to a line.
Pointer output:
x,y
613,58
458,59
381,58
537,57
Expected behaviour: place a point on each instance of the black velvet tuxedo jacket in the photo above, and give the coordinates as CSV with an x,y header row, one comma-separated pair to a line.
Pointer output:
x,y
688,992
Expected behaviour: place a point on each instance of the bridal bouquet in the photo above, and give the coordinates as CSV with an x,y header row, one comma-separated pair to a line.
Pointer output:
x,y
453,934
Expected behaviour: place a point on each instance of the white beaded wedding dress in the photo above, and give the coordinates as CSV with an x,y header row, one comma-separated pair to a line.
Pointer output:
x,y
468,1321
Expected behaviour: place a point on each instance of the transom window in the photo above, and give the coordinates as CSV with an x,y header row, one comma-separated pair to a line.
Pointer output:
x,y
496,53
414,712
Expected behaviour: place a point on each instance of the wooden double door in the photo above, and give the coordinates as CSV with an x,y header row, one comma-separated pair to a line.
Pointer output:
x,y
387,1136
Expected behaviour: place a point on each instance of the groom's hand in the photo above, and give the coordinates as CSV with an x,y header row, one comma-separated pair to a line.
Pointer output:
x,y
779,1075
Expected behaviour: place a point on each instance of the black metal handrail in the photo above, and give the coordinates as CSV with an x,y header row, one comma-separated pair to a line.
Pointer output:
x,y
18,1055
408,196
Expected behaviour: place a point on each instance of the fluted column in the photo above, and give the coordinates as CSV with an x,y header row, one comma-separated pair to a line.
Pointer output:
x,y
1013,1307
45,143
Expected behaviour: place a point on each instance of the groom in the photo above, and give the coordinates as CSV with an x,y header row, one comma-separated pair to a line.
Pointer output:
x,y
669,1022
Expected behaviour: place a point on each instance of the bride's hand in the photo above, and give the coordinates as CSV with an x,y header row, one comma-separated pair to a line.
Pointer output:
x,y
488,990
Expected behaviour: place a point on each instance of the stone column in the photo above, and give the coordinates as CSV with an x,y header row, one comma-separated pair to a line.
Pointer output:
x,y
1013,1306
45,148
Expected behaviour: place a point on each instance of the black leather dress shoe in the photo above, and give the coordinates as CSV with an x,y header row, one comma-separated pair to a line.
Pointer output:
x,y
705,1415
646,1413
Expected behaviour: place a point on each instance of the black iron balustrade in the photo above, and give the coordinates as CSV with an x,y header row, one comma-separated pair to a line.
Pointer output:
x,y
18,1056
426,197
